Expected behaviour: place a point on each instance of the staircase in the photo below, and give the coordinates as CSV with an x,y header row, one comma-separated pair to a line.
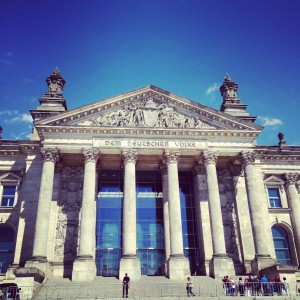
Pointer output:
x,y
111,288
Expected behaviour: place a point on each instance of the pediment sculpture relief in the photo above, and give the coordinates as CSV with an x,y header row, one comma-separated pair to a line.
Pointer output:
x,y
145,113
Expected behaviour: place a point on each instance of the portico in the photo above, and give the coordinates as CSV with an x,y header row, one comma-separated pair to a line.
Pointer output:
x,y
151,183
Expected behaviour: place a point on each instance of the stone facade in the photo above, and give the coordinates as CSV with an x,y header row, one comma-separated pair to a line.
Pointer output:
x,y
52,220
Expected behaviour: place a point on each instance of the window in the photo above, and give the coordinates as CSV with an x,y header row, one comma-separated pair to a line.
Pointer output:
x,y
281,245
8,196
274,197
7,246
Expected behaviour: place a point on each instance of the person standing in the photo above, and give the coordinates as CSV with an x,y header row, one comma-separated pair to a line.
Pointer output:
x,y
189,287
285,286
126,281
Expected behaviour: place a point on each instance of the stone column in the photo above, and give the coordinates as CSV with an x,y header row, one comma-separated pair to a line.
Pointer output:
x,y
221,264
262,256
294,201
203,220
243,215
39,256
164,175
129,262
178,264
84,268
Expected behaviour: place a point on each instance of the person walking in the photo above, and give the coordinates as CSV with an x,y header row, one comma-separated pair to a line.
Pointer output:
x,y
189,287
126,281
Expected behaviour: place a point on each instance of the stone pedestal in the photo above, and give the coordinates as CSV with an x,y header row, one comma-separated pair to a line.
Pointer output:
x,y
178,267
222,265
40,263
84,269
261,262
132,266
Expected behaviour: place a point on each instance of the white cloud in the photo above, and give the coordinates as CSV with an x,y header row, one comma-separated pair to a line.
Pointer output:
x,y
212,89
8,112
16,117
266,121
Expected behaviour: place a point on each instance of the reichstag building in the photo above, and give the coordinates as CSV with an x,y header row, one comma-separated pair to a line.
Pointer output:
x,y
147,183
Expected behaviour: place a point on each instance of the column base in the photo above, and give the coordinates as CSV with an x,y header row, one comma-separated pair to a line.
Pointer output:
x,y
84,269
222,265
178,267
131,265
260,262
39,262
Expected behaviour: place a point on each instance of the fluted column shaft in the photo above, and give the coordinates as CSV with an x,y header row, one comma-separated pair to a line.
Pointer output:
x,y
50,156
176,241
294,199
164,175
258,229
217,228
130,157
87,234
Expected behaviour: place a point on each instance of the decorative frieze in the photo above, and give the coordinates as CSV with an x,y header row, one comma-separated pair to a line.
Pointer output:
x,y
145,112
69,205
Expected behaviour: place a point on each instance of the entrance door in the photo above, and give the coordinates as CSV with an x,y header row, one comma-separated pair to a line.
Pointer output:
x,y
108,262
152,261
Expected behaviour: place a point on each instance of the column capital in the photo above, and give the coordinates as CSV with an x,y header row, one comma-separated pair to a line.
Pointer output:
x,y
247,157
130,155
210,157
50,154
291,178
90,154
171,156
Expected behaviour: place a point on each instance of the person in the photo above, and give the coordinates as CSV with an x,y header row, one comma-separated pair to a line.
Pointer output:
x,y
277,285
126,281
264,282
241,287
285,286
189,287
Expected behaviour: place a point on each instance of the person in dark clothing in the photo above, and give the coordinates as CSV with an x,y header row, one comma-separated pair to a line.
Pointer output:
x,y
126,281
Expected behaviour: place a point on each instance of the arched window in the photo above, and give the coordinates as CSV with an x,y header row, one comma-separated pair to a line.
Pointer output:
x,y
7,245
281,245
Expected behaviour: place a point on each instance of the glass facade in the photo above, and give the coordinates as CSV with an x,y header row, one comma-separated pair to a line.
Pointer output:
x,y
150,226
189,220
109,223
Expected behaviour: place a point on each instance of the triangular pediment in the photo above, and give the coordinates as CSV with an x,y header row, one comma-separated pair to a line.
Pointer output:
x,y
10,177
274,180
148,107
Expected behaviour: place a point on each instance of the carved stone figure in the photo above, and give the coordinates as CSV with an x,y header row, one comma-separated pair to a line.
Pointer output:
x,y
146,113
69,205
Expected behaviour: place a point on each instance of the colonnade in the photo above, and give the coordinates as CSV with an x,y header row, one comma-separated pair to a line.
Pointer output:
x,y
178,266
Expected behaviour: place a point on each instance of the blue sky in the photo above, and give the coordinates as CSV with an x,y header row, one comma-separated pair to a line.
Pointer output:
x,y
105,48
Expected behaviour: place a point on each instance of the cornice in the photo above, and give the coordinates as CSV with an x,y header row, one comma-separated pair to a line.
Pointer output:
x,y
274,153
208,133
8,147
